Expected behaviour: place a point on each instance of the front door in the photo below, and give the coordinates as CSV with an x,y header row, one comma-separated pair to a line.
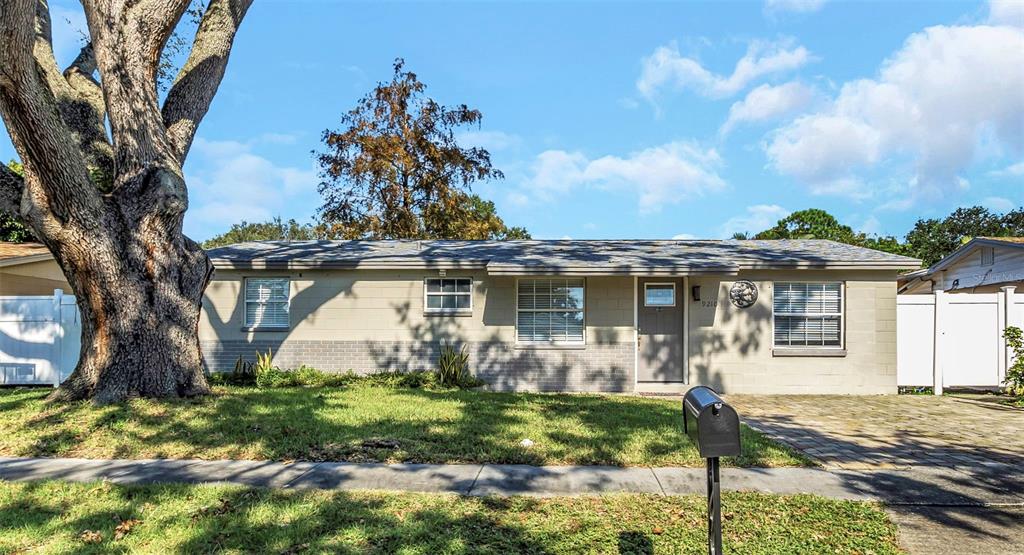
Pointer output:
x,y
660,330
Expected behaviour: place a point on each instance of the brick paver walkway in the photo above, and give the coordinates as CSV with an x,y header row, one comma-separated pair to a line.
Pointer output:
x,y
905,431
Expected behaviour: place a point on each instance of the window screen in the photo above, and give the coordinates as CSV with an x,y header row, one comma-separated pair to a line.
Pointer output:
x,y
808,314
449,295
550,311
266,302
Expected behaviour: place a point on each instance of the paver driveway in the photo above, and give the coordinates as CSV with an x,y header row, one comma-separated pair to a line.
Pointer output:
x,y
889,431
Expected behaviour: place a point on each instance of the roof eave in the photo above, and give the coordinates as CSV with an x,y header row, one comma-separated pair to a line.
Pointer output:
x,y
28,259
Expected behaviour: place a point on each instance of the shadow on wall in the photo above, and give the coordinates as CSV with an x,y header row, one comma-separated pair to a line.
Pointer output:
x,y
303,307
737,333
498,361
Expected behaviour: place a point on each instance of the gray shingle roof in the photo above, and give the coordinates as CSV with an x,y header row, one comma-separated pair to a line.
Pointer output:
x,y
641,257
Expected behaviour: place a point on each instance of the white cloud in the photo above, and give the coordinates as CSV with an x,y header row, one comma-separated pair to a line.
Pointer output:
x,y
934,101
1013,170
665,174
490,140
768,102
998,204
229,182
683,236
757,218
799,6
1006,12
666,68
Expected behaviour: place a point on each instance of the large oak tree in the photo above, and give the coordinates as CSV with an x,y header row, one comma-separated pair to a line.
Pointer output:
x,y
103,186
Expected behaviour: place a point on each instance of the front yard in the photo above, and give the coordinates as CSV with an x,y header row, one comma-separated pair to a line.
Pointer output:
x,y
364,423
56,517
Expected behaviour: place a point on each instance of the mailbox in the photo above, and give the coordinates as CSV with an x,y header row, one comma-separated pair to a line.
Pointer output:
x,y
712,424
714,428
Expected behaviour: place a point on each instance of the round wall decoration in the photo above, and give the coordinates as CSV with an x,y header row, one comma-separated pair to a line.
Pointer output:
x,y
743,293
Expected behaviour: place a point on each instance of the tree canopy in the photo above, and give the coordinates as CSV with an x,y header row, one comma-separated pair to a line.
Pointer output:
x,y
274,230
396,171
930,239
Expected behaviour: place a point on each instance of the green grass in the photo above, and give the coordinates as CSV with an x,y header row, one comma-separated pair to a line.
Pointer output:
x,y
333,423
56,517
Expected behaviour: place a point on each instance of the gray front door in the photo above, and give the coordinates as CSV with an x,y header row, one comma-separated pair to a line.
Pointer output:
x,y
660,330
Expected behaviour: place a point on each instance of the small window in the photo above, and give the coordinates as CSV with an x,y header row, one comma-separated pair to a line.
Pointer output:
x,y
659,294
266,303
808,314
988,256
449,295
550,311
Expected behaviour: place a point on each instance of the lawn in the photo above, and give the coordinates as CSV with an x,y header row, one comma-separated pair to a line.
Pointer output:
x,y
56,517
360,423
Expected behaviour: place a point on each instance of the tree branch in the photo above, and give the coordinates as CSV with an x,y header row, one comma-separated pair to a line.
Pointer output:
x,y
196,84
56,181
11,186
87,112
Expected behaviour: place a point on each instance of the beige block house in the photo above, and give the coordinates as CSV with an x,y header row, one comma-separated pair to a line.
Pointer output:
x,y
650,316
619,316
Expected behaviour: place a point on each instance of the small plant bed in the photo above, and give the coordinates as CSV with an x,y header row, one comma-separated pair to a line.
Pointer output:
x,y
55,517
364,423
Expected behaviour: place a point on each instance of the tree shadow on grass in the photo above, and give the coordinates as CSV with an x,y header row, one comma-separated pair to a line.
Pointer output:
x,y
336,424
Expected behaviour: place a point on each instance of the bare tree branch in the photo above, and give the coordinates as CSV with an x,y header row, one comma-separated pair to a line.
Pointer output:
x,y
11,186
86,113
30,110
196,84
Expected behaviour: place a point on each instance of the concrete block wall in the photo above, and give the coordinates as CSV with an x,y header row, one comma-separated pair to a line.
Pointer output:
x,y
600,367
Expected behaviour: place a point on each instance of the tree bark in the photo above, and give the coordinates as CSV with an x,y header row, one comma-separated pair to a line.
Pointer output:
x,y
110,208
140,315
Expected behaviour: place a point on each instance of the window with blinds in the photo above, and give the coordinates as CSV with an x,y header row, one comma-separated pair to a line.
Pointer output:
x,y
550,311
808,314
448,295
266,302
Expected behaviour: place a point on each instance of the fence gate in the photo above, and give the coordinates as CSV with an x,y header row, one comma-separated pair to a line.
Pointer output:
x,y
40,339
955,339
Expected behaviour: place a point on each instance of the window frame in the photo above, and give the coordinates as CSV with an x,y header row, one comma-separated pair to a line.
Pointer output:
x,y
550,344
841,348
674,293
245,302
450,311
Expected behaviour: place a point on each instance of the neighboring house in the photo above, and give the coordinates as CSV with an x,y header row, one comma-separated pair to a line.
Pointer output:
x,y
802,316
568,315
29,269
982,265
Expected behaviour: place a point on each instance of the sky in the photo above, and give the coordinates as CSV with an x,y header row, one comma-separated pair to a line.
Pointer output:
x,y
635,120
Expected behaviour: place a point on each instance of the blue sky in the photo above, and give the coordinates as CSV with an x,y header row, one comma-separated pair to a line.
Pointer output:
x,y
633,120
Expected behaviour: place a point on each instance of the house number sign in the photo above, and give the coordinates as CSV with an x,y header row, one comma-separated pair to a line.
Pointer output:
x,y
743,293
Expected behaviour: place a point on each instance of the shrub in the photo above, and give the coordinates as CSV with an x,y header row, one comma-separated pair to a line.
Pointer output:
x,y
1014,381
452,366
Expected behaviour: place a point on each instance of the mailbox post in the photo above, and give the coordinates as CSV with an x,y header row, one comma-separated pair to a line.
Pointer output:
x,y
714,427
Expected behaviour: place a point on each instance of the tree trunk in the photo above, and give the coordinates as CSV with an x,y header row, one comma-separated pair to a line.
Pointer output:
x,y
139,290
103,186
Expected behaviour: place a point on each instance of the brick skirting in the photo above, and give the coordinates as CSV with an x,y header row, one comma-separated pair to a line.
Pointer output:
x,y
600,367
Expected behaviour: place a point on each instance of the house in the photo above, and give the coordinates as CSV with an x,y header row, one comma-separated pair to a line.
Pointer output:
x,y
655,316
800,316
29,269
982,265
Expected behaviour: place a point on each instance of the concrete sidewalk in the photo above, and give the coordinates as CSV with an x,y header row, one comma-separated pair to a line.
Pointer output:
x,y
940,486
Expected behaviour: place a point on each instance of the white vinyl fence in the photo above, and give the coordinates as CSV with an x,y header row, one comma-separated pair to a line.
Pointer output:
x,y
955,339
40,338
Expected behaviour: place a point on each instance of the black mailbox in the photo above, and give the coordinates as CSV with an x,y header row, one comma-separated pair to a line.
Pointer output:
x,y
714,428
712,424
